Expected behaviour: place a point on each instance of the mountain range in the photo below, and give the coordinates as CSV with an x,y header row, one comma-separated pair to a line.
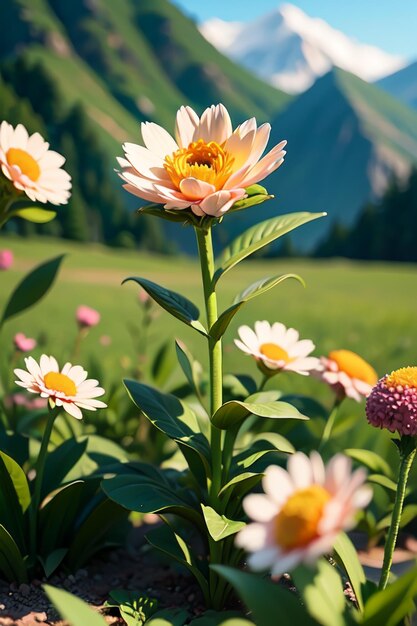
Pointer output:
x,y
129,61
290,50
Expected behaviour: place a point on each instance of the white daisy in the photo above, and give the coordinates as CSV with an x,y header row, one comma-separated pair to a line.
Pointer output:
x,y
302,511
348,374
31,166
277,347
68,388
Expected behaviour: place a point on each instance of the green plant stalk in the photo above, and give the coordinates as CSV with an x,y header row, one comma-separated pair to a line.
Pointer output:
x,y
205,249
40,467
407,454
327,431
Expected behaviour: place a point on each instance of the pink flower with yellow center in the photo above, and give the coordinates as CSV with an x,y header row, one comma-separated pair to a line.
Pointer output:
x,y
392,403
68,388
31,166
302,511
347,373
206,167
276,347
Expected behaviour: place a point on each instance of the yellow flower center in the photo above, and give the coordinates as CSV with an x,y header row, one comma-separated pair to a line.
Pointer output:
x,y
404,377
354,366
274,352
298,521
60,382
26,163
205,161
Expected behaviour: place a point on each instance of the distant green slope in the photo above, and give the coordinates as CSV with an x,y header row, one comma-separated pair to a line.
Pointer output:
x,y
109,56
346,139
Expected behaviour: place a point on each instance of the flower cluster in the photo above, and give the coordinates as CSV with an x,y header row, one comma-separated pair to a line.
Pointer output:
x,y
392,404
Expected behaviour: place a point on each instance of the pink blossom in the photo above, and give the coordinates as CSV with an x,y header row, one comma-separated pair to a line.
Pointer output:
x,y
6,259
392,403
23,343
87,317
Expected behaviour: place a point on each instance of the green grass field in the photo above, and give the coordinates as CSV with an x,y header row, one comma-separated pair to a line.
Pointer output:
x,y
368,307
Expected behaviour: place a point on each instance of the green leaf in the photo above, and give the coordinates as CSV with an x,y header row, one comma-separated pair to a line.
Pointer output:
x,y
322,592
60,462
259,236
53,561
252,200
157,210
192,369
32,288
219,526
346,556
146,494
391,605
57,517
371,460
34,214
240,385
235,411
269,603
223,618
72,609
170,415
254,290
408,514
262,444
171,543
241,484
176,304
383,481
163,364
169,617
135,608
14,498
12,564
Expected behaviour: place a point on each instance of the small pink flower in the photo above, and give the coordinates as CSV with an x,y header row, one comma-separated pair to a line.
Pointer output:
x,y
23,343
143,296
6,259
347,373
392,403
87,317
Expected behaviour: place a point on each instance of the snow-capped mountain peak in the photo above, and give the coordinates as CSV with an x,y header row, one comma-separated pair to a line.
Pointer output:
x,y
290,49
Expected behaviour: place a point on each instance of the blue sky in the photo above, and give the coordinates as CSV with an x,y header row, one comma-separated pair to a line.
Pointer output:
x,y
389,24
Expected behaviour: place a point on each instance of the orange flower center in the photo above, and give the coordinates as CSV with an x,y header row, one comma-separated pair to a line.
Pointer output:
x,y
205,161
354,366
298,521
274,352
404,377
26,163
60,382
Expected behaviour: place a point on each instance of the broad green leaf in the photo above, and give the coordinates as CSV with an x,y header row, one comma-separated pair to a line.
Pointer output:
x,y
170,415
12,564
192,369
383,481
135,608
141,493
171,543
322,592
57,517
53,560
176,304
234,411
92,534
163,364
75,611
34,214
60,462
346,556
255,447
241,484
254,290
259,236
223,618
14,499
371,460
391,605
239,385
169,617
219,526
270,604
32,288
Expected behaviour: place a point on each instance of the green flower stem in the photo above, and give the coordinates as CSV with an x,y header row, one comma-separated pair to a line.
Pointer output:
x,y
407,447
205,249
40,467
263,382
327,431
